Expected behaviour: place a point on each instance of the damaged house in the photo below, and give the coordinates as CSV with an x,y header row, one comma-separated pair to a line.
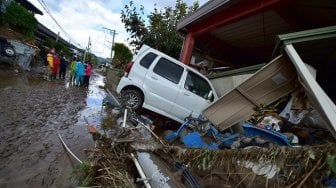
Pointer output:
x,y
240,34
288,101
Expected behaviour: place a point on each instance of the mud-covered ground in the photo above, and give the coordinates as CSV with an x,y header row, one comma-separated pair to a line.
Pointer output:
x,y
32,113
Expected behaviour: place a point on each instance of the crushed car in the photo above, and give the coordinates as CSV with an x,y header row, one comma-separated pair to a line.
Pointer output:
x,y
6,48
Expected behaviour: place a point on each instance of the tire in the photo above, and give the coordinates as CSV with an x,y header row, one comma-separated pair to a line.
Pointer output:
x,y
9,51
133,99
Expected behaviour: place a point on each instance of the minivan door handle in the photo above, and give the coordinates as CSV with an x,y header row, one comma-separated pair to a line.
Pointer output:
x,y
185,93
154,78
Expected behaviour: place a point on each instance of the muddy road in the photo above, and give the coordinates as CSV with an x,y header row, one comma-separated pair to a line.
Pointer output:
x,y
33,112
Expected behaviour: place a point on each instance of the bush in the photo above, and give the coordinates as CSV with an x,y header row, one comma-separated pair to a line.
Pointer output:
x,y
58,46
21,19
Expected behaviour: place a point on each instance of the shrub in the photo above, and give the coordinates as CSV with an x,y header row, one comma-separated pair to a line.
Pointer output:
x,y
21,19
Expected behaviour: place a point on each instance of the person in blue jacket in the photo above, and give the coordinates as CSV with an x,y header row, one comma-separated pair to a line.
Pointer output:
x,y
80,72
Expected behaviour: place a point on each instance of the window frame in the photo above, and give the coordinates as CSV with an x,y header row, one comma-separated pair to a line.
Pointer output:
x,y
180,69
199,93
151,62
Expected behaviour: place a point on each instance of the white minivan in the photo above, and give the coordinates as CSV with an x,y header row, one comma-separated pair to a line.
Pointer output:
x,y
160,83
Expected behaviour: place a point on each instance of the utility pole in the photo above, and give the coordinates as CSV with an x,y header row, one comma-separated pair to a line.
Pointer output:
x,y
87,50
57,36
113,33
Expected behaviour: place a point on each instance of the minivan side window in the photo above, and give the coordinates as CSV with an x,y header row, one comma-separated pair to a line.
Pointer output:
x,y
197,85
148,60
169,70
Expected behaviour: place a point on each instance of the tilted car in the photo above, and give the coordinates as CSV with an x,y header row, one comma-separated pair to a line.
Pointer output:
x,y
6,48
160,83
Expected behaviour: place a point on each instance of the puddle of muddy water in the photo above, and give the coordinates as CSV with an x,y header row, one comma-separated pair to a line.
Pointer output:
x,y
11,77
94,111
92,114
40,160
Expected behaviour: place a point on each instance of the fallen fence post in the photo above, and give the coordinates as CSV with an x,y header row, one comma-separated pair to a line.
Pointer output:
x,y
141,172
125,116
66,147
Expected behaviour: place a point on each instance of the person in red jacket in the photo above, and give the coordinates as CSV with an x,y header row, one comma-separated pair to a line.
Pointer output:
x,y
88,71
57,61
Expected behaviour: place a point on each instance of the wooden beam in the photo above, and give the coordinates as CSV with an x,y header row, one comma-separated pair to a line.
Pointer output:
x,y
187,49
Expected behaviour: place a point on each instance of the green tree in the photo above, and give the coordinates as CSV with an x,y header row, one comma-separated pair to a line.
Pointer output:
x,y
58,46
20,19
122,55
94,60
90,57
160,33
134,24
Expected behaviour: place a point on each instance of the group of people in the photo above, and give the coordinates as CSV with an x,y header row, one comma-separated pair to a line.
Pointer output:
x,y
80,73
56,69
56,66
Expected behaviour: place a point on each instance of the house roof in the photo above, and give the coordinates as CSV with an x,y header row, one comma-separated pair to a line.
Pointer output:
x,y
44,32
201,13
29,6
241,33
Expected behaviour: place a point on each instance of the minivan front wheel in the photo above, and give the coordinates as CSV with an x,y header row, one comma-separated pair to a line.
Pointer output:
x,y
133,99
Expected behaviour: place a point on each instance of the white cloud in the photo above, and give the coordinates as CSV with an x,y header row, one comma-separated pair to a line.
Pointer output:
x,y
82,19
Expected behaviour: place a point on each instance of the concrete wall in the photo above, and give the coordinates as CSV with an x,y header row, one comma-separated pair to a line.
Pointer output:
x,y
112,78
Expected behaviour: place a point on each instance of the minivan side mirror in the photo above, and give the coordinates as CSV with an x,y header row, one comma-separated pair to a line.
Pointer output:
x,y
210,96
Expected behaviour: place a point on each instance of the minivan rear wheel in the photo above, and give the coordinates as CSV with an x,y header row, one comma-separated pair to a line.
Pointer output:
x,y
133,99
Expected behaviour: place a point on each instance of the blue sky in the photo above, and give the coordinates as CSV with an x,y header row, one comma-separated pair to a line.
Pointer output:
x,y
83,19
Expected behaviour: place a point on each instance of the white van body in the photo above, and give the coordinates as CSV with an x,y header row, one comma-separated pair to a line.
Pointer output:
x,y
167,86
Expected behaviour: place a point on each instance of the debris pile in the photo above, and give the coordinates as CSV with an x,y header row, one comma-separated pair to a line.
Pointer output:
x,y
297,120
174,165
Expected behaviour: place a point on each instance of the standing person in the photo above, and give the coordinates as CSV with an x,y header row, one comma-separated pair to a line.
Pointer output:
x,y
44,57
73,70
56,65
50,60
88,70
80,72
63,65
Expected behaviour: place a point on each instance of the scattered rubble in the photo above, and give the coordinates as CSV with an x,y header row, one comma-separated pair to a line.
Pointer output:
x,y
261,163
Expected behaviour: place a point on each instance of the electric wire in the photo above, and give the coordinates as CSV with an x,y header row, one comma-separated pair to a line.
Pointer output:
x,y
45,7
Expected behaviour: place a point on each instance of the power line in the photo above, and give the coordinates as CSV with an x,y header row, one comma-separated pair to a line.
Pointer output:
x,y
113,33
44,6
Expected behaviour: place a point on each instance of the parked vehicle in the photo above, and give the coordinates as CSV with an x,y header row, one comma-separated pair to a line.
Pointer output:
x,y
160,83
6,49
